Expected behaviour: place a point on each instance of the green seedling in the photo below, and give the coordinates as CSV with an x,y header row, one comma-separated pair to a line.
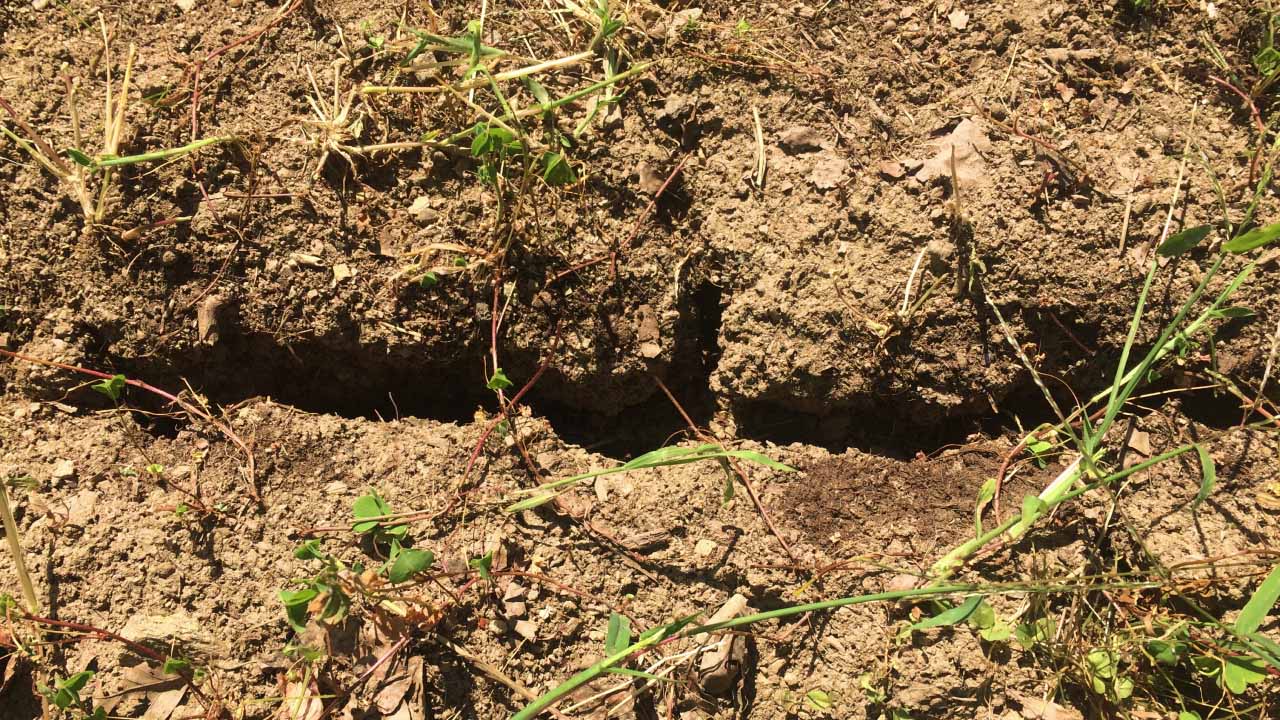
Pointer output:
x,y
323,596
372,514
1106,677
65,696
499,381
113,387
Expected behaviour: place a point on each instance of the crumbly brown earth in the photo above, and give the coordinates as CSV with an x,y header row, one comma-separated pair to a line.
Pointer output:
x,y
834,308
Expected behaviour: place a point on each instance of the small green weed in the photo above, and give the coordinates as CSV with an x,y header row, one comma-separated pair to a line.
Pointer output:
x,y
327,595
65,696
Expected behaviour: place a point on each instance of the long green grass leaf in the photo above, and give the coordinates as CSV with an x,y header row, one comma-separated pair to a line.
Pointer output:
x,y
1208,477
1253,239
952,616
1264,598
1183,241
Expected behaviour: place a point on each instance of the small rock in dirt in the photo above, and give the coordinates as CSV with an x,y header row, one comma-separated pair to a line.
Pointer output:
x,y
650,180
829,172
185,5
1036,709
704,547
959,19
515,609
176,635
901,582
965,144
650,350
602,489
169,258
207,318
39,4
892,169
674,110
63,470
421,210
82,507
800,138
527,629
342,271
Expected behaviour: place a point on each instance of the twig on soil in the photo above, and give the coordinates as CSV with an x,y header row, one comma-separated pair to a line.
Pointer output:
x,y
494,673
187,405
134,647
737,470
760,153
344,694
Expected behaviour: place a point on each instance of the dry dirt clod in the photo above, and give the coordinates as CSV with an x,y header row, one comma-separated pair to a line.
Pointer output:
x,y
799,139
966,143
207,320
720,667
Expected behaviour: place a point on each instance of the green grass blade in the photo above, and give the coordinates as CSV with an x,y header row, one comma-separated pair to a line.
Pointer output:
x,y
951,616
1256,610
1208,477
1253,239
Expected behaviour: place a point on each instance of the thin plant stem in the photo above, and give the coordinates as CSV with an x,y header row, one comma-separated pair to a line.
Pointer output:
x,y
15,549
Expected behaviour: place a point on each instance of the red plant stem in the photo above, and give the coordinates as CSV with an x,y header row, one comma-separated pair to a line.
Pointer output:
x,y
136,648
737,470
1253,109
189,407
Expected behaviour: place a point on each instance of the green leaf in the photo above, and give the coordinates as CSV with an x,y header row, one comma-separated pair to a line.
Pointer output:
x,y
556,170
1032,508
336,606
1122,687
1189,715
951,616
1167,652
1183,241
1271,649
818,700
1000,631
1264,598
408,563
175,666
112,388
1232,312
483,565
369,506
986,494
79,157
1102,663
1267,61
618,636
75,683
1253,239
1208,477
63,698
309,550
1029,635
499,381
295,606
983,616
1239,672
428,280
539,93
